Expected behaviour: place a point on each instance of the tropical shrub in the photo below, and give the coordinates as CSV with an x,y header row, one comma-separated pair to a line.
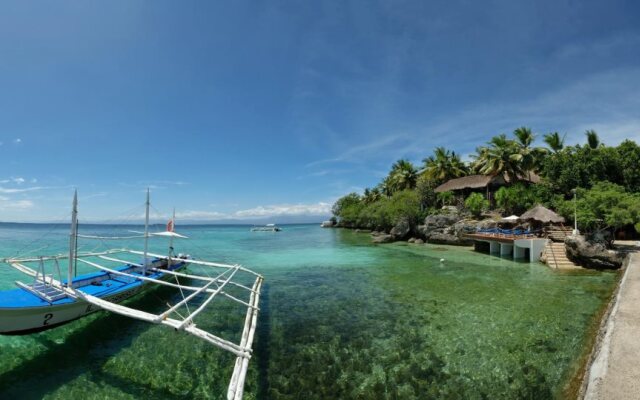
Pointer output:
x,y
386,212
347,209
405,205
604,206
426,193
515,199
446,198
582,166
629,158
476,203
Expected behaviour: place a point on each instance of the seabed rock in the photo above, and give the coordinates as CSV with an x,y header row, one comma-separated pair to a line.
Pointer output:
x,y
592,254
383,238
419,241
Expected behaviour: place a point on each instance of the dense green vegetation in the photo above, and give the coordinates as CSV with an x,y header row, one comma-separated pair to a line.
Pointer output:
x,y
606,179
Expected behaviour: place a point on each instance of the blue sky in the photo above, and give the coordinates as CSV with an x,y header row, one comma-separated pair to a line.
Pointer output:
x,y
241,110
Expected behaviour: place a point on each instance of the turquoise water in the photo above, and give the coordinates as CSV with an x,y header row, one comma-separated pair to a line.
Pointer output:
x,y
340,318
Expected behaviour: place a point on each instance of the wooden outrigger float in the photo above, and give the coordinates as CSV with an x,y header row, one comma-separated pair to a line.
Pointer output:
x,y
51,301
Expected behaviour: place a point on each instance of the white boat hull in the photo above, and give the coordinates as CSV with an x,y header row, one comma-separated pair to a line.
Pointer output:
x,y
26,320
18,321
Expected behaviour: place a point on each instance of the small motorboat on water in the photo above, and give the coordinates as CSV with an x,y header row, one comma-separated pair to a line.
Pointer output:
x,y
266,228
52,299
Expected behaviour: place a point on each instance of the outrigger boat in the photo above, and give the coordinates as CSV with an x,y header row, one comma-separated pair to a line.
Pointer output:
x,y
50,301
266,228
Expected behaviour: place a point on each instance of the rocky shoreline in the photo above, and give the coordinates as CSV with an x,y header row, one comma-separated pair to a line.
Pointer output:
x,y
449,228
446,228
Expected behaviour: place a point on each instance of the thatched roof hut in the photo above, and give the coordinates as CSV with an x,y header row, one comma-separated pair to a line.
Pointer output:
x,y
481,181
542,214
469,182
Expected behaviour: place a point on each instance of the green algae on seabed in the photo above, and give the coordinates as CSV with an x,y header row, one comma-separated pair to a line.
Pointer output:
x,y
340,318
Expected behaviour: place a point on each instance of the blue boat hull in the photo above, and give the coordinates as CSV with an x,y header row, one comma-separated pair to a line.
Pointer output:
x,y
22,312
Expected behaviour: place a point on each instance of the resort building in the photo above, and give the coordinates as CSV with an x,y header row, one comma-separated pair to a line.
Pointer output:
x,y
485,184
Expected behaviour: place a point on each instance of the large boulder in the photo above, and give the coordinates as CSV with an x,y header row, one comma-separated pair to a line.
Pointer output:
x,y
592,254
401,229
460,228
383,238
446,229
439,221
443,238
487,224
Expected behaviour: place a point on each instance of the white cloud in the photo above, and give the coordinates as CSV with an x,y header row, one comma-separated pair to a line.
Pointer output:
x,y
603,47
17,140
364,152
22,190
320,208
278,210
91,196
7,203
17,180
153,185
606,101
205,215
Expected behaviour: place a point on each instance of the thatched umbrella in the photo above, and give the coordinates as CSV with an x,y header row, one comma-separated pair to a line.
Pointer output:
x,y
541,214
509,221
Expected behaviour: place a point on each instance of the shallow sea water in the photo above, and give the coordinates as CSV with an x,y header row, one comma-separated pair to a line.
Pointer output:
x,y
340,318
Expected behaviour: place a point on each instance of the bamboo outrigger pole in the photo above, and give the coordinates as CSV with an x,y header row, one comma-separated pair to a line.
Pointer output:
x,y
73,239
146,235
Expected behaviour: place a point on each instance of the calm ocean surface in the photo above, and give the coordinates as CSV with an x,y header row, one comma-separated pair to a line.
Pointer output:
x,y
340,318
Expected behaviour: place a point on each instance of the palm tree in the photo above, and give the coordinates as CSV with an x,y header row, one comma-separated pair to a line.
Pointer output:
x,y
403,175
385,187
530,158
443,165
502,156
554,141
592,139
524,136
371,195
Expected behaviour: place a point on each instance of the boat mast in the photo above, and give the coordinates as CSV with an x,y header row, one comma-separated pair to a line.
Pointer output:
x,y
146,235
73,239
173,228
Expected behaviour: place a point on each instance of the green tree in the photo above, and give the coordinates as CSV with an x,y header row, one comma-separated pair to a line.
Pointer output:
x,y
501,156
516,199
529,157
629,158
403,175
371,195
446,198
476,203
554,141
386,212
347,209
592,139
443,165
604,206
582,166
425,188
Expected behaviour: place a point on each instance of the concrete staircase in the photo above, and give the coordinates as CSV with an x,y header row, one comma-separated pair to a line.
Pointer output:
x,y
556,256
558,233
